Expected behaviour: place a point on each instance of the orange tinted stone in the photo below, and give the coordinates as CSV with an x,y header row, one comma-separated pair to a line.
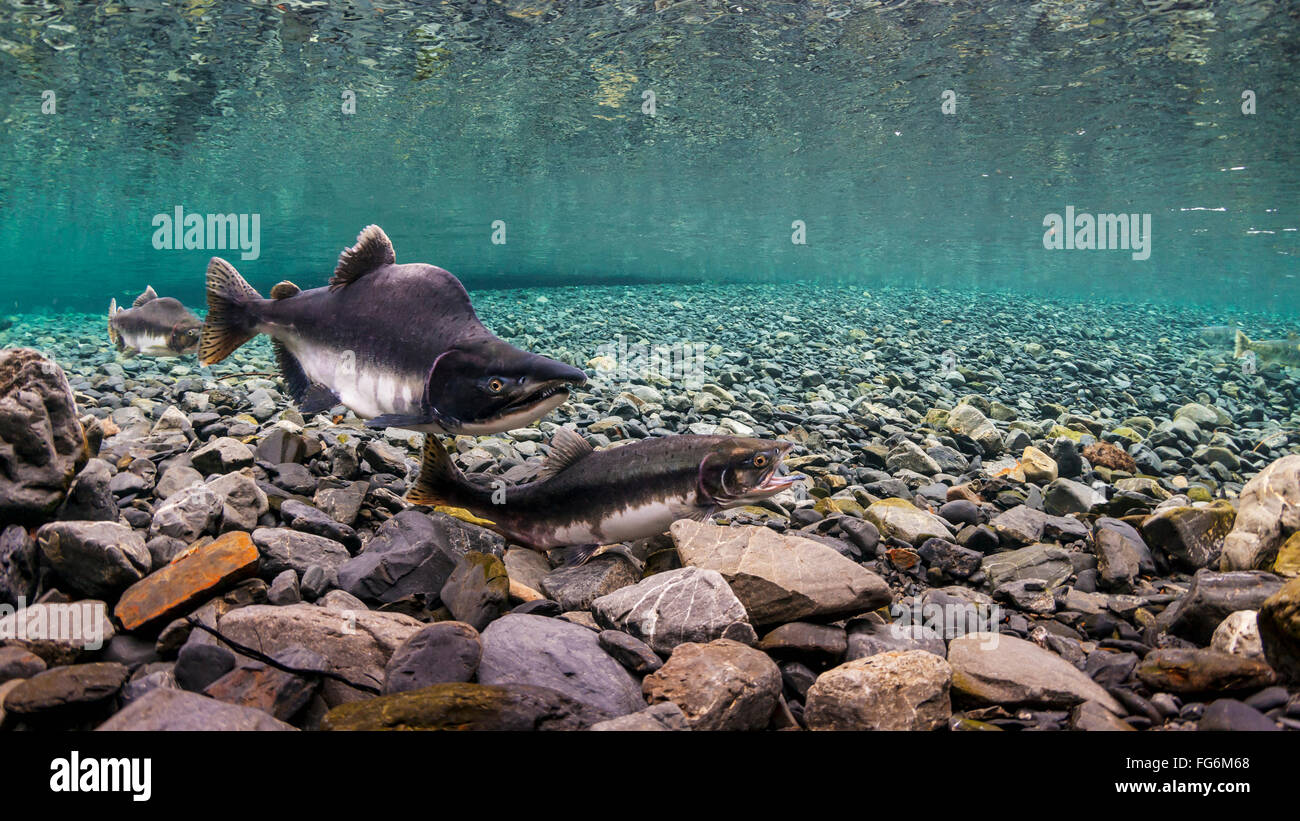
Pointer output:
x,y
192,578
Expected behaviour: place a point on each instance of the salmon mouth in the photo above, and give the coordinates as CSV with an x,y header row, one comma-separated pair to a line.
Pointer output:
x,y
556,390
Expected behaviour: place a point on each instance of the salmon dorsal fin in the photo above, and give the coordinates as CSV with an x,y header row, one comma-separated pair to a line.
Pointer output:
x,y
372,250
284,290
567,449
149,295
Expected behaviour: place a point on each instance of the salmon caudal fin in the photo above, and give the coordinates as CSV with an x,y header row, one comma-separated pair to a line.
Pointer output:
x,y
113,335
1242,345
229,323
440,481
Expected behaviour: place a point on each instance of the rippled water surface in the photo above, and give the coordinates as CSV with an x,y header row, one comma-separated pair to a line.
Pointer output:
x,y
530,122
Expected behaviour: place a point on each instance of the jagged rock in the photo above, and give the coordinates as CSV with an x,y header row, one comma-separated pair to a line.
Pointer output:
x,y
665,716
222,455
575,588
1238,635
187,514
413,553
42,444
1191,536
284,549
478,590
90,499
1049,564
242,501
1279,630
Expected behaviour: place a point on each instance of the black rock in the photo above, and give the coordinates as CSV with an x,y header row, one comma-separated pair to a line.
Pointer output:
x,y
960,512
199,664
629,651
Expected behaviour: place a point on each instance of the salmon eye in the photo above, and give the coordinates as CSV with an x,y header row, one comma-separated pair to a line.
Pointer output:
x,y
760,461
495,385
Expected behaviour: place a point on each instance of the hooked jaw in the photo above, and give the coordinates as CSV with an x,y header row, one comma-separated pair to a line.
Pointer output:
x,y
544,389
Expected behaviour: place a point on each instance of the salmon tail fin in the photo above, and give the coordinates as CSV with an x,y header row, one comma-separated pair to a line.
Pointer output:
x,y
114,335
229,323
1241,345
440,481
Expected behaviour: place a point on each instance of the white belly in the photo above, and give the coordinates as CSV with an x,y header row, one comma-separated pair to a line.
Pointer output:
x,y
625,525
366,390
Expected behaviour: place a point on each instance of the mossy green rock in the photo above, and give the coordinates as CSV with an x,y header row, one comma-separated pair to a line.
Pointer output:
x,y
464,706
936,418
1127,433
1059,431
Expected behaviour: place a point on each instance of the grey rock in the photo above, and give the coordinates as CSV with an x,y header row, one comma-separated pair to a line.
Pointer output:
x,y
575,588
413,553
340,500
478,590
869,636
635,655
176,478
992,668
1212,597
242,501
95,558
437,653
284,588
1049,564
665,716
520,649
187,514
166,709
90,499
41,440
780,577
222,455
358,644
284,549
683,605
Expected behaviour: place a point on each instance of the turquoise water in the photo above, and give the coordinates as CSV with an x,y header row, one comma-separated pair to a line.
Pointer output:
x,y
535,114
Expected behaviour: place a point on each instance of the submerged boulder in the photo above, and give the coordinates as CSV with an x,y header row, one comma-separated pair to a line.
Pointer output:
x,y
42,443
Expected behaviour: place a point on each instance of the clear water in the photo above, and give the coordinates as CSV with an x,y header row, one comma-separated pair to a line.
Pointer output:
x,y
531,112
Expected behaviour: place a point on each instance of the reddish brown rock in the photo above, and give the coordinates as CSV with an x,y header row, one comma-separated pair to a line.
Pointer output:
x,y
1106,455
1178,670
192,578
